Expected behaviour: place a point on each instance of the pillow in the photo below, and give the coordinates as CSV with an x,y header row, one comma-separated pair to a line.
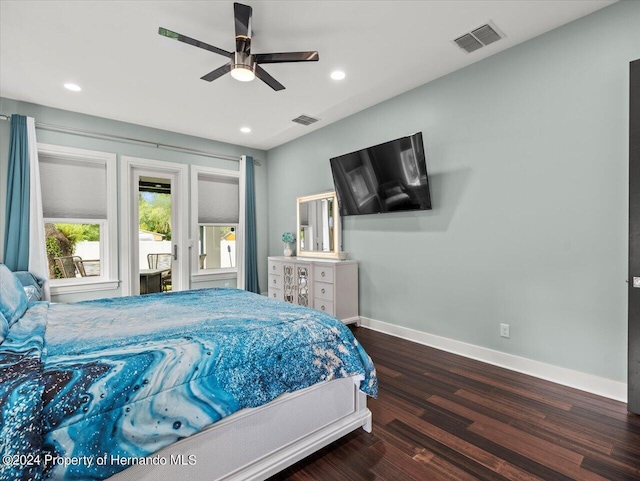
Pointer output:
x,y
32,285
13,300
32,294
4,328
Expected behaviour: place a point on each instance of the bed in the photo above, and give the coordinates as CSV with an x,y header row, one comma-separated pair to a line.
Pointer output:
x,y
213,384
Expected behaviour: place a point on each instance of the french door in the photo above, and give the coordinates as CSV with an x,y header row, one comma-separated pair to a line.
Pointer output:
x,y
155,255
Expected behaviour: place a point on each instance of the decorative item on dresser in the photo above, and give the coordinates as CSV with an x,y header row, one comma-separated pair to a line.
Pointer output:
x,y
324,284
288,238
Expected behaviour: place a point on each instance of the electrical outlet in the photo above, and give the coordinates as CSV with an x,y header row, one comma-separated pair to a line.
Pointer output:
x,y
504,330
226,284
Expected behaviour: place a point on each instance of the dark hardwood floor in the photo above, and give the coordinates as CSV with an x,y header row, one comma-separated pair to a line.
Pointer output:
x,y
440,416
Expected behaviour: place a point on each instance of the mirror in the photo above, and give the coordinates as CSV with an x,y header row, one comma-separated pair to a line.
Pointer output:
x,y
318,232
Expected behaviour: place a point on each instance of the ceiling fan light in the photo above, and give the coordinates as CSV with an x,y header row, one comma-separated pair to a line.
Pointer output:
x,y
242,73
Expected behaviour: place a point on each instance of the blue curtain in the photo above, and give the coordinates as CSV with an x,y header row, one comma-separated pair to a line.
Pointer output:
x,y
16,234
251,243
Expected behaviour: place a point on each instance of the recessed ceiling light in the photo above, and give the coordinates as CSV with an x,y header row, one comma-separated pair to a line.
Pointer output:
x,y
245,130
338,75
72,87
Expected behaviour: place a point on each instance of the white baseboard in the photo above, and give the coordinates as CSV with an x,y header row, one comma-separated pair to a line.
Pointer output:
x,y
579,380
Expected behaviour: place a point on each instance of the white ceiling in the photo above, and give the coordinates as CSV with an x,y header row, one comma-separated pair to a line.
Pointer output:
x,y
128,72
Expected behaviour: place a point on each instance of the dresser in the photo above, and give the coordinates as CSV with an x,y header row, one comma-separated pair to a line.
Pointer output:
x,y
328,285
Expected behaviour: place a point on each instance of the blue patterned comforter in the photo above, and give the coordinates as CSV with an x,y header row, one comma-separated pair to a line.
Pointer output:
x,y
128,376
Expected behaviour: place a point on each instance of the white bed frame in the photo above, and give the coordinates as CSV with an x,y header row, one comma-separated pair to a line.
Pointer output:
x,y
253,444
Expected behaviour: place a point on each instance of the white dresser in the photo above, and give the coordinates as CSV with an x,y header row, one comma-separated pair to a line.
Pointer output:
x,y
323,284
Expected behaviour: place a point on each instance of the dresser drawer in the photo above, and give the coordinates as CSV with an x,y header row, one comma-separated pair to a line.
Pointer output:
x,y
275,267
323,274
323,305
323,290
275,293
275,281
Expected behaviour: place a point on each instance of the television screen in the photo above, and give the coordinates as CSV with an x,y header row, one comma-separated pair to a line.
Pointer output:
x,y
388,177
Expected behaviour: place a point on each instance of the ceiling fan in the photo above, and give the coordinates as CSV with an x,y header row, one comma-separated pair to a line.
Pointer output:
x,y
244,65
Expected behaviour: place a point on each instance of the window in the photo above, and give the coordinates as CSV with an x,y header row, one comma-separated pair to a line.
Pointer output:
x,y
217,246
79,209
217,214
73,249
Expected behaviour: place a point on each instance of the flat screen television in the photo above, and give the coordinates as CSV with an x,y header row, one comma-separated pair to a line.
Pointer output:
x,y
388,177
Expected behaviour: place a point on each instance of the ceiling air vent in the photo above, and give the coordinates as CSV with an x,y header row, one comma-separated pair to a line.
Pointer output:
x,y
478,38
486,34
304,120
468,43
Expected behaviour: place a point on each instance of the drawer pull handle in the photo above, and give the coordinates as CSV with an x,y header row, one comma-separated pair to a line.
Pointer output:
x,y
322,290
274,281
322,273
322,307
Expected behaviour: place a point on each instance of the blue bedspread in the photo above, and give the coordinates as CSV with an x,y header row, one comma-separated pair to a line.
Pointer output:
x,y
129,376
21,390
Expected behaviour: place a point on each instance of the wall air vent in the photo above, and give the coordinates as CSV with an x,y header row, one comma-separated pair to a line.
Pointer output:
x,y
478,38
304,120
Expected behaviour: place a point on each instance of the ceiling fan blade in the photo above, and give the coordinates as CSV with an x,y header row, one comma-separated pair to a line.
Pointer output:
x,y
287,57
268,79
191,41
217,73
242,14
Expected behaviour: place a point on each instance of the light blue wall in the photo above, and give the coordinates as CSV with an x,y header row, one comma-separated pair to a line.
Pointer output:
x,y
88,122
528,161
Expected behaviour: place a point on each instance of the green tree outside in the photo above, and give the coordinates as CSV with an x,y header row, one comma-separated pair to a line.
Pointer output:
x,y
80,232
154,211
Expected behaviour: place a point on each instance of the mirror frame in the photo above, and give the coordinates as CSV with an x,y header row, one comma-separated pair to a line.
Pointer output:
x,y
337,229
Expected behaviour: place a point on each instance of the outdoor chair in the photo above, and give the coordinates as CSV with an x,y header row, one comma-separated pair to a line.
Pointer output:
x,y
162,261
72,266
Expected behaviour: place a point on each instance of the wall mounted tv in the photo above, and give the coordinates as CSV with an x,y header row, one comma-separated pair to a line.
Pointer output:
x,y
389,177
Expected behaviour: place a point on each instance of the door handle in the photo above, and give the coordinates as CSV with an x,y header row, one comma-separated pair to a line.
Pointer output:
x,y
175,252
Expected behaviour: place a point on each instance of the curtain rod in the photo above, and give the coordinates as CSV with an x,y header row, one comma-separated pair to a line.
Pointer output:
x,y
99,135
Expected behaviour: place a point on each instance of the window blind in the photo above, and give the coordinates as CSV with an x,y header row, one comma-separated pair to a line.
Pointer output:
x,y
73,189
218,200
